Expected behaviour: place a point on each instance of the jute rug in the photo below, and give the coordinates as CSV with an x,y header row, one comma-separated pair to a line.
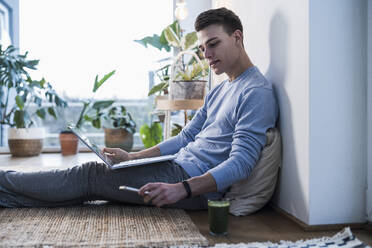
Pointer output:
x,y
98,226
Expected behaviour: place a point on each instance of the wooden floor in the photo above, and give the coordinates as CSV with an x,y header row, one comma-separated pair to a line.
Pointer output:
x,y
265,225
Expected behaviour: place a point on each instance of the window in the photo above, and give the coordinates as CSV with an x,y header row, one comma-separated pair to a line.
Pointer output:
x,y
4,26
76,40
4,41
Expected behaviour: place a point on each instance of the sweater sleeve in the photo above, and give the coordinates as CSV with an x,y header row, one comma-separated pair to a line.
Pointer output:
x,y
255,114
188,133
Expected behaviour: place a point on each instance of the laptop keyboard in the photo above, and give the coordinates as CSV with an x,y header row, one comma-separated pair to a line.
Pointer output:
x,y
144,161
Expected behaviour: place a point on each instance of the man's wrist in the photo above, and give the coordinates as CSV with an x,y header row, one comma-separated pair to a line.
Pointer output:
x,y
187,187
132,155
182,190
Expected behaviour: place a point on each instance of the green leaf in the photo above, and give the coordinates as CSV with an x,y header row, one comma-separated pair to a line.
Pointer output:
x,y
96,123
176,129
176,28
88,118
151,136
123,111
155,41
189,41
145,135
164,41
41,113
102,104
172,37
158,88
20,103
42,82
172,34
99,83
52,112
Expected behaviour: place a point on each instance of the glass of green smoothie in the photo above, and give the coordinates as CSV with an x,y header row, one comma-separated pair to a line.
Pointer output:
x,y
218,215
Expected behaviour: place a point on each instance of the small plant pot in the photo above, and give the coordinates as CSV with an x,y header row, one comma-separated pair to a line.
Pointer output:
x,y
25,142
69,143
161,117
183,90
118,138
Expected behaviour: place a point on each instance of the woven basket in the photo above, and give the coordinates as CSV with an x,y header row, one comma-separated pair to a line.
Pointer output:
x,y
25,142
25,147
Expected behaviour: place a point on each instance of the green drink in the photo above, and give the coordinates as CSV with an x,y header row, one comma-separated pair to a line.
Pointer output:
x,y
218,215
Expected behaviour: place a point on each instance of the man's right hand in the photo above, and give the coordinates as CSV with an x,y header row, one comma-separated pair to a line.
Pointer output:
x,y
116,155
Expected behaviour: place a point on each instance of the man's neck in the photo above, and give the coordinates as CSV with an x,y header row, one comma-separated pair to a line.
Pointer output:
x,y
241,65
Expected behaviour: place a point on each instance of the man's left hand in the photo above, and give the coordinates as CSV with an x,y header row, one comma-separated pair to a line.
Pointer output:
x,y
161,194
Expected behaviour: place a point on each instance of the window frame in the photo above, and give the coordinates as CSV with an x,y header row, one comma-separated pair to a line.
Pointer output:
x,y
5,14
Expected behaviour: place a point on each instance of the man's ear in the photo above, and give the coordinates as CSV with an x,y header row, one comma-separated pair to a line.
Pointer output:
x,y
238,36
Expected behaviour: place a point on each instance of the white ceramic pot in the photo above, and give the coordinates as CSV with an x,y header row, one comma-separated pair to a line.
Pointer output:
x,y
24,142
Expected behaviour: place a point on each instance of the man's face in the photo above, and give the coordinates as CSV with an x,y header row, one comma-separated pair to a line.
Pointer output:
x,y
219,48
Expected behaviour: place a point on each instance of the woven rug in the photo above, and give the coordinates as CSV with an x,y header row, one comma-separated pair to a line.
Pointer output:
x,y
343,239
97,226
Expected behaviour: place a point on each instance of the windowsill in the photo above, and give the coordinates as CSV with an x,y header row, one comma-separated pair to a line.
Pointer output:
x,y
45,161
5,150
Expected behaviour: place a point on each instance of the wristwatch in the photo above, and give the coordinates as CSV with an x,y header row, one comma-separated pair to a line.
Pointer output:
x,y
187,188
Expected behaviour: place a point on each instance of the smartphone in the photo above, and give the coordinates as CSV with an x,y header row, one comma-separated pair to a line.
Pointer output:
x,y
127,188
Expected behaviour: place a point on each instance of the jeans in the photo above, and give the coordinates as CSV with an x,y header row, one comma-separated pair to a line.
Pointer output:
x,y
87,182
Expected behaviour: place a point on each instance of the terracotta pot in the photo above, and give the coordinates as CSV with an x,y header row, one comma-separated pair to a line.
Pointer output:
x,y
118,138
25,142
69,143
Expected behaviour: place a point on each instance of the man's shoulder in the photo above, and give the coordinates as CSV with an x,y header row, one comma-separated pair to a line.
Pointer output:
x,y
257,80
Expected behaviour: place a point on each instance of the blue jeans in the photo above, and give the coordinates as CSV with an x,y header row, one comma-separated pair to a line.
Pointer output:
x,y
87,182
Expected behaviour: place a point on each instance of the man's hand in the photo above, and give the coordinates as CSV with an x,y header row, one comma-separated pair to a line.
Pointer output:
x,y
161,194
116,155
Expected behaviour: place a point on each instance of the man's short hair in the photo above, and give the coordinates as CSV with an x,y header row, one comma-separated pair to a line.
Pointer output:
x,y
222,16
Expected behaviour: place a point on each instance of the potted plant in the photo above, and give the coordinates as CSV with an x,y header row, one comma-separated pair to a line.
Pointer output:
x,y
117,123
189,70
187,79
151,135
69,142
20,116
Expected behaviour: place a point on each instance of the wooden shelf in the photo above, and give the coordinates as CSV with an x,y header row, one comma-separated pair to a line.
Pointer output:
x,y
164,103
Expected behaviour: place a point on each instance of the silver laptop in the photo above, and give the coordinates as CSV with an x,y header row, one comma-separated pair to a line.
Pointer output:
x,y
130,163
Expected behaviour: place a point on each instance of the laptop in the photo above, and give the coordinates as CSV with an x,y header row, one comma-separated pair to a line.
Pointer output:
x,y
130,163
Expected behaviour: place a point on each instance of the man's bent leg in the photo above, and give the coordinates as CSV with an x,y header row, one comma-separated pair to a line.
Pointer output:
x,y
105,182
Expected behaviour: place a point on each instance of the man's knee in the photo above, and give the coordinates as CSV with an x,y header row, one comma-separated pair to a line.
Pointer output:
x,y
94,165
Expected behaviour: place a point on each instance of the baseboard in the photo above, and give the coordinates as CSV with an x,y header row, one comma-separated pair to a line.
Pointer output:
x,y
369,226
306,227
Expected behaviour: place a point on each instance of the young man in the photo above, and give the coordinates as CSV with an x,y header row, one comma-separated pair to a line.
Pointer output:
x,y
218,147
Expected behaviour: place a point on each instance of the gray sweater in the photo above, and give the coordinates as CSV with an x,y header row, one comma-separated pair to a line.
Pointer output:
x,y
227,134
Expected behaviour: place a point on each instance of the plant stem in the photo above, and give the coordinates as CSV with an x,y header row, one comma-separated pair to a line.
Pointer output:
x,y
6,104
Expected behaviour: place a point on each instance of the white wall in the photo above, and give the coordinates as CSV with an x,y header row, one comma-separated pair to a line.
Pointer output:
x,y
276,39
195,7
338,111
315,54
369,108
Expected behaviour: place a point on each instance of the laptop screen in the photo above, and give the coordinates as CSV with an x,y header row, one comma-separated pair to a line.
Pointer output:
x,y
91,145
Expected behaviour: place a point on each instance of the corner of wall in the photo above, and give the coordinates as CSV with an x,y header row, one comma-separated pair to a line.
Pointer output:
x,y
369,112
